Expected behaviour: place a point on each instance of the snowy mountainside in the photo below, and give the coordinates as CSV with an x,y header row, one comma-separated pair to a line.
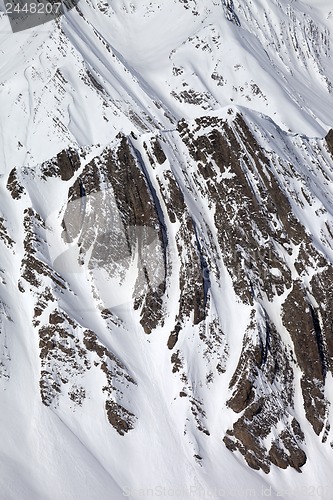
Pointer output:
x,y
166,267
144,66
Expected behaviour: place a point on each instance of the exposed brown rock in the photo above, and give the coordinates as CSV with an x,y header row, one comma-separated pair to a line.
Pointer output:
x,y
158,152
176,361
121,170
300,320
329,141
120,418
13,185
64,165
4,236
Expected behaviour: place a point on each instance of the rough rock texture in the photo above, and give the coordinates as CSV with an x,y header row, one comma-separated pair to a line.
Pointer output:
x,y
329,141
129,208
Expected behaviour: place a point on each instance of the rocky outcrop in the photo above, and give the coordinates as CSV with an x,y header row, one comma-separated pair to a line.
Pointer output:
x,y
254,222
111,211
14,186
301,320
64,165
128,225
329,141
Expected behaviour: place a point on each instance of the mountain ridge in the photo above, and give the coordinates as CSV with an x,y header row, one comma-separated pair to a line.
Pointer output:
x,y
165,276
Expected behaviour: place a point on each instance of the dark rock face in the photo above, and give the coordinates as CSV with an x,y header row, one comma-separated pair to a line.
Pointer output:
x,y
118,186
303,325
131,209
241,217
158,152
262,413
245,204
329,141
120,418
230,13
13,185
64,165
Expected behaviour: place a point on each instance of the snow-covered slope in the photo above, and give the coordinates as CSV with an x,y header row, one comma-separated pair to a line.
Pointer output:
x,y
104,68
166,251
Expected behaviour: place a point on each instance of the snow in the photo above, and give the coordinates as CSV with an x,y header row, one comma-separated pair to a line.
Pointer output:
x,y
141,55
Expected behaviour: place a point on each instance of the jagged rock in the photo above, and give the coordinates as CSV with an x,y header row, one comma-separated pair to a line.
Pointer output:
x,y
120,418
14,186
254,232
329,141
